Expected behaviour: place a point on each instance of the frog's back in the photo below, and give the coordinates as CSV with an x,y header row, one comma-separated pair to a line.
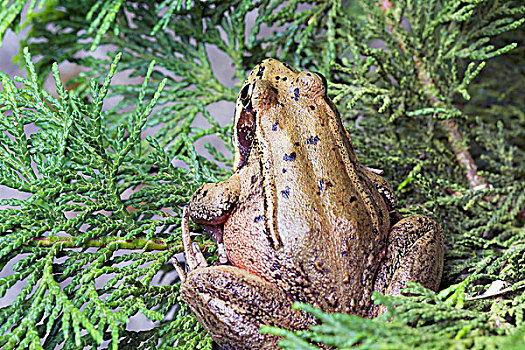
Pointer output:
x,y
329,221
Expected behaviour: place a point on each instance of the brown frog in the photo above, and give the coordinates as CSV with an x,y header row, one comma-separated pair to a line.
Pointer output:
x,y
299,219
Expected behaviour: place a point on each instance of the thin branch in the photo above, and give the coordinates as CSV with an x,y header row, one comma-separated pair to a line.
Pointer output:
x,y
461,150
135,243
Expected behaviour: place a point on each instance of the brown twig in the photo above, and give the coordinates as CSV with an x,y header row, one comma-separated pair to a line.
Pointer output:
x,y
461,150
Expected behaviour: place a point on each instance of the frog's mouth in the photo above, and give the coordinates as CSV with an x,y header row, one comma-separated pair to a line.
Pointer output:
x,y
245,128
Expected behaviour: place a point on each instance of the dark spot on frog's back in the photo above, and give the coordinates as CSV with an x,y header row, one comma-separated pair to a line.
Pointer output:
x,y
261,70
290,157
286,192
312,140
285,78
287,66
258,218
274,125
312,107
296,94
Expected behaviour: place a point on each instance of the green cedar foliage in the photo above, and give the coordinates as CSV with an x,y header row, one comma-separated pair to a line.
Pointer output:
x,y
431,92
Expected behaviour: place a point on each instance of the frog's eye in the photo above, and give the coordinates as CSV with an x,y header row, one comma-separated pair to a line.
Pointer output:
x,y
246,95
310,84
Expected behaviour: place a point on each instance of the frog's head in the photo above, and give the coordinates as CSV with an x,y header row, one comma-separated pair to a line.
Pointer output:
x,y
273,75
271,84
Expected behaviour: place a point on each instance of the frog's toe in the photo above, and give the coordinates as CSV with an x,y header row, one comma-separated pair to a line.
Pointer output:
x,y
192,253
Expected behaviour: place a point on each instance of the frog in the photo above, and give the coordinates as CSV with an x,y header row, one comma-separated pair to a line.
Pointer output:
x,y
299,220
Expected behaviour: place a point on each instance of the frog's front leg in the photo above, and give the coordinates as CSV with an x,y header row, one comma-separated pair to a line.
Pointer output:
x,y
233,304
211,206
212,203
414,253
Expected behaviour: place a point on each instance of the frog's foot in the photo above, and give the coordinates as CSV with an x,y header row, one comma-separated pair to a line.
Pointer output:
x,y
211,205
414,253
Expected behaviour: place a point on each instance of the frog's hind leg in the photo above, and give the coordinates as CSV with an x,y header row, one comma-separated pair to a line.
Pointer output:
x,y
233,304
414,253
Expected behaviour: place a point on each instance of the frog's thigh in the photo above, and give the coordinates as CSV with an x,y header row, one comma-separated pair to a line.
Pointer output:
x,y
414,253
212,203
384,189
233,304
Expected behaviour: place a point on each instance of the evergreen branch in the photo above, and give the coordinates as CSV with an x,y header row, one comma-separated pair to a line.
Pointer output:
x,y
457,142
134,243
82,172
345,331
100,180
106,16
11,10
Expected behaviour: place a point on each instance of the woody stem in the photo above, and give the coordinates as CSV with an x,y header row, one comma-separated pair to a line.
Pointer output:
x,y
458,144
